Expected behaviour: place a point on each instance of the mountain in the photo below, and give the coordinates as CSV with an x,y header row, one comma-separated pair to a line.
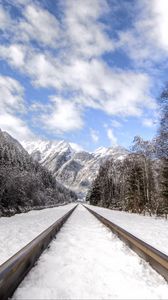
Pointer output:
x,y
74,169
24,183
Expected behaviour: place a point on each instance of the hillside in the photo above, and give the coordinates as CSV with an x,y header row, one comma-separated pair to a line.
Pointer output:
x,y
24,183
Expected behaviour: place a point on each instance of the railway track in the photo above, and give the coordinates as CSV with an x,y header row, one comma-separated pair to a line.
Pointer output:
x,y
13,271
16,268
157,259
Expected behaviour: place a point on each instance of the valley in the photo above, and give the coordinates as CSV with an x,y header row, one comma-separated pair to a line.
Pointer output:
x,y
73,168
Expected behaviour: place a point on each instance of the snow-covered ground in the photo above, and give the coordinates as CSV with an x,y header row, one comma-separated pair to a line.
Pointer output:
x,y
18,230
86,261
152,230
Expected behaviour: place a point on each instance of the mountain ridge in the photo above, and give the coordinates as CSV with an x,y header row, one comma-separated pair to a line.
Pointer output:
x,y
75,169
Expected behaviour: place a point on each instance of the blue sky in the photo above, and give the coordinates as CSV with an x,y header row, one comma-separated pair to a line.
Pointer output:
x,y
89,72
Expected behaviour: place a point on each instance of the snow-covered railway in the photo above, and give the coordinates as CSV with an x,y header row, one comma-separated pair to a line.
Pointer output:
x,y
86,261
157,259
13,271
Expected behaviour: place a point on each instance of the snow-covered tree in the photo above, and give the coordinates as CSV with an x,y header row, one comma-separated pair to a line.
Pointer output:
x,y
162,149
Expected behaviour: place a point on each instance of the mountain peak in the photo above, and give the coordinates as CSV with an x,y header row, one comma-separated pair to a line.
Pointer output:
x,y
46,145
9,139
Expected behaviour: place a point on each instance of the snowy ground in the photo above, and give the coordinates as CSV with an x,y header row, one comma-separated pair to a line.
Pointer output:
x,y
18,230
152,230
86,261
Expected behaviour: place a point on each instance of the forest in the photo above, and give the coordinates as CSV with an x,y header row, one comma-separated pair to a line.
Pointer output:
x,y
24,183
139,182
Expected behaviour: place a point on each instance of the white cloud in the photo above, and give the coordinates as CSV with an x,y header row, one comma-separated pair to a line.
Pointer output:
x,y
64,117
11,96
147,122
34,24
85,10
84,31
15,126
159,23
79,69
5,19
94,83
21,2
114,91
40,25
41,67
111,137
147,40
14,54
94,135
37,106
43,71
116,124
12,102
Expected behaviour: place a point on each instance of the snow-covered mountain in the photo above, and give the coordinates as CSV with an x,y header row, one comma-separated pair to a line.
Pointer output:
x,y
51,154
74,169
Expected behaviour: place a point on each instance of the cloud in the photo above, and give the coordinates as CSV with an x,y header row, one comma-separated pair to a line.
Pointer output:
x,y
157,27
15,126
117,92
14,54
95,85
66,55
39,25
36,106
11,96
43,70
94,135
34,24
85,33
111,137
147,122
116,124
64,117
12,103
5,19
147,41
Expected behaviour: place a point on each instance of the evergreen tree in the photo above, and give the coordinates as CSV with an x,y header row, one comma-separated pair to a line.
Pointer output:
x,y
94,195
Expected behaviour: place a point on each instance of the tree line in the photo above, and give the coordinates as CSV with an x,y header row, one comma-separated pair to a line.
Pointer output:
x,y
138,182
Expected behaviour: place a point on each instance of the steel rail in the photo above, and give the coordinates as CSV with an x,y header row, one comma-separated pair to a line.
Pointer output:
x,y
13,271
157,259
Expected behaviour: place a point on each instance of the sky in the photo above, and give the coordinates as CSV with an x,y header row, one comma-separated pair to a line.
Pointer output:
x,y
86,71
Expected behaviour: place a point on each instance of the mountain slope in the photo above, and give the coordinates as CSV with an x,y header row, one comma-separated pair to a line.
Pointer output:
x,y
24,182
74,169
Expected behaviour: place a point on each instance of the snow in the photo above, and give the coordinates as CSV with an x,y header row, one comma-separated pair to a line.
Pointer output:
x,y
38,145
114,151
47,148
76,147
18,230
152,230
101,151
86,261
